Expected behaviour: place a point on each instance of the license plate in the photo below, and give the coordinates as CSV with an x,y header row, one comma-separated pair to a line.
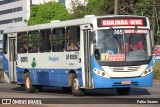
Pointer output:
x,y
125,82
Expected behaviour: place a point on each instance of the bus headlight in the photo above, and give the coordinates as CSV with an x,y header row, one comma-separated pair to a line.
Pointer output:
x,y
147,71
100,72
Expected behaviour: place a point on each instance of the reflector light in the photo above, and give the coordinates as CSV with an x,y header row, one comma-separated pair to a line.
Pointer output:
x,y
98,72
149,70
145,72
103,74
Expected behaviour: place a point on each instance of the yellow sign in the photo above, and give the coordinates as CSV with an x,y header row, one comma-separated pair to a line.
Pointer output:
x,y
104,56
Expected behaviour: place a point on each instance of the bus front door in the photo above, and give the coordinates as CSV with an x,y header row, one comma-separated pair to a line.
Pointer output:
x,y
12,60
87,54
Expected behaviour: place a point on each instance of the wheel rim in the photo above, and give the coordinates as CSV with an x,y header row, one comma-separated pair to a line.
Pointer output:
x,y
27,82
75,84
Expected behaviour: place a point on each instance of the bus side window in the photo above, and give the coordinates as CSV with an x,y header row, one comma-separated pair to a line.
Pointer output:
x,y
22,42
45,41
5,48
33,41
58,40
73,36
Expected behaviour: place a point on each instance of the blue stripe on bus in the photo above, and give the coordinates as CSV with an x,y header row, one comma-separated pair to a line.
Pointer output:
x,y
103,82
39,76
57,78
5,64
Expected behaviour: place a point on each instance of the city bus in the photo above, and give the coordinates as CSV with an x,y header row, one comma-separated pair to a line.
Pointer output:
x,y
94,52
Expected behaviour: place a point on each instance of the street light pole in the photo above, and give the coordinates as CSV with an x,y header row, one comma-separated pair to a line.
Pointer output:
x,y
116,7
154,23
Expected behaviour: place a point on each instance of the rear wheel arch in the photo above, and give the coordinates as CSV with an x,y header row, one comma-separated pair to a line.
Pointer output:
x,y
70,76
26,70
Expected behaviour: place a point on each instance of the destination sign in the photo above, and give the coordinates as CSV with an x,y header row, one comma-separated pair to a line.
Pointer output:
x,y
133,21
135,31
122,22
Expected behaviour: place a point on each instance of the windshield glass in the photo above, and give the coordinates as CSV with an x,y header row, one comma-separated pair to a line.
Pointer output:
x,y
121,45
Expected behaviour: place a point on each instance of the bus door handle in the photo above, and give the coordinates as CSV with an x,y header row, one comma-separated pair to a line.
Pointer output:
x,y
79,60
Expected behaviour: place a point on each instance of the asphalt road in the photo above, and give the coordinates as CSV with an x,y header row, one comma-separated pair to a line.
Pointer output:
x,y
93,97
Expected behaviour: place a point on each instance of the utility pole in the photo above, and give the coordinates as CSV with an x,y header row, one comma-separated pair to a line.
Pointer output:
x,y
155,26
116,7
154,22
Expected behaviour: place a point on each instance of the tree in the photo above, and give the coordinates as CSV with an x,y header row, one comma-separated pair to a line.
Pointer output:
x,y
77,9
107,7
99,7
151,9
127,7
93,7
44,13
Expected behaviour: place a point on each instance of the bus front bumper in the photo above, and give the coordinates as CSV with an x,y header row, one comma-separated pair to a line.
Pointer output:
x,y
101,82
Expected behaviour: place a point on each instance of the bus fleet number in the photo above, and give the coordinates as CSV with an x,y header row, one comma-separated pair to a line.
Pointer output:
x,y
117,32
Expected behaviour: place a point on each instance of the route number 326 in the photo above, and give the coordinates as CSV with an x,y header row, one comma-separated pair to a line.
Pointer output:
x,y
117,32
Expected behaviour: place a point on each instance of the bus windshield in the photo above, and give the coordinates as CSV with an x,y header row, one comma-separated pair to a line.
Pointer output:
x,y
121,45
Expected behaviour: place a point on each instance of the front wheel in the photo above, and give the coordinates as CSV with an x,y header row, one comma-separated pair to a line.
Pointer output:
x,y
75,87
28,84
123,91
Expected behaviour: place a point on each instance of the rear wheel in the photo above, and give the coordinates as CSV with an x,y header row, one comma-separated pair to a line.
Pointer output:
x,y
28,84
123,91
39,88
76,90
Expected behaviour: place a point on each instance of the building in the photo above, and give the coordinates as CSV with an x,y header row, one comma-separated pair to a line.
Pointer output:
x,y
67,3
17,12
13,13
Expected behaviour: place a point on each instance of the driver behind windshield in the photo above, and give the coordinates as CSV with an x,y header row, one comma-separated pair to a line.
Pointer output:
x,y
108,43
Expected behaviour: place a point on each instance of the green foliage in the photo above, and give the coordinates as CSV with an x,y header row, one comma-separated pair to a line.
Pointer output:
x,y
107,7
77,9
148,8
144,8
127,7
93,7
156,69
44,13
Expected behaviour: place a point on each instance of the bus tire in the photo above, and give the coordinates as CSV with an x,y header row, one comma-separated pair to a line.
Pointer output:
x,y
39,88
123,91
28,84
67,89
76,91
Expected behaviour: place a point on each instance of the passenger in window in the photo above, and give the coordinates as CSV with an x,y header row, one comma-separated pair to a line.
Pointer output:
x,y
78,44
20,50
33,49
63,45
137,43
109,44
133,43
20,39
25,47
72,46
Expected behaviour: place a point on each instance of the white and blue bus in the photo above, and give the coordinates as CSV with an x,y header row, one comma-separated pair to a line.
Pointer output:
x,y
89,53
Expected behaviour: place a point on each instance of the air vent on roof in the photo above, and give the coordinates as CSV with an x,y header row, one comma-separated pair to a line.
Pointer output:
x,y
87,16
55,21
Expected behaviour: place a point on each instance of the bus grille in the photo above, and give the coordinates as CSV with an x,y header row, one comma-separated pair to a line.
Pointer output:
x,y
119,84
125,69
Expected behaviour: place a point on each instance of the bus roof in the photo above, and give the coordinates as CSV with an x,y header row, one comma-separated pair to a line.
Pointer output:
x,y
57,24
